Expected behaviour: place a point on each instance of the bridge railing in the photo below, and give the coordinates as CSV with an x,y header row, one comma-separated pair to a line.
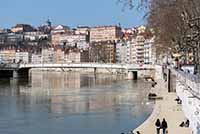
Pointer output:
x,y
88,65
9,66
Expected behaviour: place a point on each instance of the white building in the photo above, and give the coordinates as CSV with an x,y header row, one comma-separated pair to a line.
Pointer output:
x,y
60,29
136,51
121,52
22,57
139,47
149,53
125,52
35,36
48,55
79,40
36,59
132,59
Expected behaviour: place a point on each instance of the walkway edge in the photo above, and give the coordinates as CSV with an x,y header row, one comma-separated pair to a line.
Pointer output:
x,y
153,116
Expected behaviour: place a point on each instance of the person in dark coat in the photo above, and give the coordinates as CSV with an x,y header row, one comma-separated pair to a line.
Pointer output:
x,y
158,125
164,126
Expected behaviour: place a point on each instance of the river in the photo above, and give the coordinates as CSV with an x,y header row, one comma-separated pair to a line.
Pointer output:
x,y
72,103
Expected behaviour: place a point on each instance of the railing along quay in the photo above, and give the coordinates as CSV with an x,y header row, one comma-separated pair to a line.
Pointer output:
x,y
190,81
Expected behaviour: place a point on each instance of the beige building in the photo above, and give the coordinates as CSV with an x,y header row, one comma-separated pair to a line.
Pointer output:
x,y
82,30
7,56
58,32
59,56
105,33
55,39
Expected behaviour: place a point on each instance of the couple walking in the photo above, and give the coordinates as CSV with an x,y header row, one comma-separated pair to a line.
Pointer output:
x,y
160,125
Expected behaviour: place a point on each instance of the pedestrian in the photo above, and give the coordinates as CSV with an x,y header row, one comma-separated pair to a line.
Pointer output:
x,y
164,126
158,125
187,123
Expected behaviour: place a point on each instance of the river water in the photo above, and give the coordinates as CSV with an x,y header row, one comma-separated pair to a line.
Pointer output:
x,y
72,103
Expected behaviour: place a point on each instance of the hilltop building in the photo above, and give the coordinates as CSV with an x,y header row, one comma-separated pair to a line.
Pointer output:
x,y
20,28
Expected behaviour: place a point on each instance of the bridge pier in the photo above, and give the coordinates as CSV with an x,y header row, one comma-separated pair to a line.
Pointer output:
x,y
6,73
132,75
21,73
95,70
15,74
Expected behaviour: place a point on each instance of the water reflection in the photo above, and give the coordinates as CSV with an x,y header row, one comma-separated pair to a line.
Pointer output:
x,y
74,103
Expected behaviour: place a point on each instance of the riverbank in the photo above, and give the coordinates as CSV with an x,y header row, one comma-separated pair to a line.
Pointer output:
x,y
165,108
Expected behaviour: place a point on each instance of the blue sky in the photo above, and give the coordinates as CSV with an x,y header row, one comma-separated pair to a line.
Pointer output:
x,y
67,12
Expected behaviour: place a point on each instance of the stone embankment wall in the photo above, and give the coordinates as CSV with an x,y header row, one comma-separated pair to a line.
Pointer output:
x,y
187,87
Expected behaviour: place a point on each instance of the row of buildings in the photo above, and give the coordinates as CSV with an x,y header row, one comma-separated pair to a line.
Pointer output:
x,y
60,44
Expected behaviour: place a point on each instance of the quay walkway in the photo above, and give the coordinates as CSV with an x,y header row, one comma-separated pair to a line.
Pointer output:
x,y
165,108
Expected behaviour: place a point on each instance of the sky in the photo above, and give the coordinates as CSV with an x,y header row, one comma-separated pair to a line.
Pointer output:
x,y
67,12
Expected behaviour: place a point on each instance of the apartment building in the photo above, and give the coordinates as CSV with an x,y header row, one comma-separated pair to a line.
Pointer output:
x,y
59,56
123,52
139,49
82,30
48,55
105,33
77,56
58,32
36,59
149,51
35,36
22,57
103,52
7,55
76,40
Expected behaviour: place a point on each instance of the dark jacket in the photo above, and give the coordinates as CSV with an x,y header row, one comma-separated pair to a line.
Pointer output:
x,y
164,124
157,124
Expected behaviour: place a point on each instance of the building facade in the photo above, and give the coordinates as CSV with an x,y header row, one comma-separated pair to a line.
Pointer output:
x,y
123,52
76,40
104,52
105,33
77,56
149,51
23,57
139,49
7,56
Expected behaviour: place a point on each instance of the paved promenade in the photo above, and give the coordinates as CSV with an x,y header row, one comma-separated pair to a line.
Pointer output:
x,y
166,108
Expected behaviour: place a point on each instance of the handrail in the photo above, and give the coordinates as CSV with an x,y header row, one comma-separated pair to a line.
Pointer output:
x,y
191,81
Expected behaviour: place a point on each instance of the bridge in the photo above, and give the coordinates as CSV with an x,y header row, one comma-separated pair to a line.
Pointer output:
x,y
16,70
